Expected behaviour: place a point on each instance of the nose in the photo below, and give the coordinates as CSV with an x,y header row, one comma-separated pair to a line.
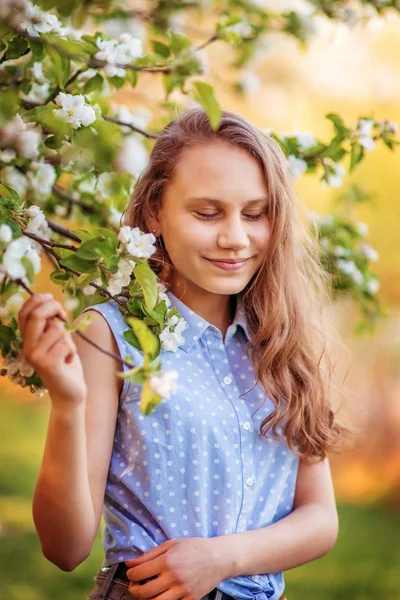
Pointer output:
x,y
233,234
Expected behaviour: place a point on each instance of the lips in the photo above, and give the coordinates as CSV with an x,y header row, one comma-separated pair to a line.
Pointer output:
x,y
229,265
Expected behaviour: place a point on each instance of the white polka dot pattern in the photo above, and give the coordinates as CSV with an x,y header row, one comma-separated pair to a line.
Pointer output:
x,y
196,466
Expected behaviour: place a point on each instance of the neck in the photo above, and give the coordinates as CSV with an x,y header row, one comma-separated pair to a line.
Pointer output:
x,y
217,309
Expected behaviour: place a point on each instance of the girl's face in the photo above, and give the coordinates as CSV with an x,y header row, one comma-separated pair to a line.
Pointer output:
x,y
215,208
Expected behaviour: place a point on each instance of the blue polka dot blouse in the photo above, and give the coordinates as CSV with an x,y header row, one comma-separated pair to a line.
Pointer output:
x,y
196,466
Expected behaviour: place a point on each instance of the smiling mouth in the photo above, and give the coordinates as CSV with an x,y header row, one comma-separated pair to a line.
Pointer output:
x,y
230,261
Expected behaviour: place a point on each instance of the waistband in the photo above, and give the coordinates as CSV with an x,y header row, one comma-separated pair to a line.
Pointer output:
x,y
120,572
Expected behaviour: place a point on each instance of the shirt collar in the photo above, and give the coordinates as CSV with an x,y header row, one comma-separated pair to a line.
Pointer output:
x,y
197,326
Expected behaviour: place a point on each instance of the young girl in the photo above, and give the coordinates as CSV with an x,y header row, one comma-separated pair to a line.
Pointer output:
x,y
226,483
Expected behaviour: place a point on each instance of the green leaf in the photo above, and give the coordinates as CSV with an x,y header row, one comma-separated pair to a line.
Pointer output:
x,y
148,282
205,95
149,342
94,84
356,155
85,279
37,48
89,250
16,48
160,48
179,41
9,104
131,338
59,276
148,399
5,192
78,264
83,234
338,123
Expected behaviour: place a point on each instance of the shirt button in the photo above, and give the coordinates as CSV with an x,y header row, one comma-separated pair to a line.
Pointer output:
x,y
246,426
250,481
227,380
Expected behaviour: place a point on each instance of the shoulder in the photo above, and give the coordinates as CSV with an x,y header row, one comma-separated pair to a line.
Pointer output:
x,y
99,331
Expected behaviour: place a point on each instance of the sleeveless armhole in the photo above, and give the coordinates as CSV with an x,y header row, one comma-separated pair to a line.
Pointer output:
x,y
117,326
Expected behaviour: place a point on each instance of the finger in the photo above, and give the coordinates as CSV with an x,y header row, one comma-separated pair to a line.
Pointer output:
x,y
36,324
173,593
28,306
151,588
149,555
53,334
150,568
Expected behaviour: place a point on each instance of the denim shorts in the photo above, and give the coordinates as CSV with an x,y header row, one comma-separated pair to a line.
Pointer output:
x,y
108,587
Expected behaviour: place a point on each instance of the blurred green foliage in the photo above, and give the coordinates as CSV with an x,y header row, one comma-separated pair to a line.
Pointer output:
x,y
364,565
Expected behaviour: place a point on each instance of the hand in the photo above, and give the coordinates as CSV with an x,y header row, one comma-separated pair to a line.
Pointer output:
x,y
50,350
184,568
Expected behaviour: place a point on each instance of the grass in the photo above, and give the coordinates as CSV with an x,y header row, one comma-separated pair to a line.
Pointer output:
x,y
364,565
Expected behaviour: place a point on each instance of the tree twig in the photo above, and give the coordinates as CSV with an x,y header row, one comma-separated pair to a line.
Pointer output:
x,y
133,127
111,354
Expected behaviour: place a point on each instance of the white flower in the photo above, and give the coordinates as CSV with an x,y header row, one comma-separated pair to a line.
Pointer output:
x,y
164,384
171,340
38,21
364,136
325,220
7,156
118,52
19,364
138,244
88,290
122,277
115,26
249,82
132,157
372,285
28,143
37,219
5,233
71,303
60,210
162,293
38,93
140,118
12,305
70,32
347,267
15,179
362,228
357,276
24,140
335,179
74,110
369,252
86,75
103,187
37,72
297,166
115,217
341,251
34,257
41,178
15,250
242,28
305,139
88,185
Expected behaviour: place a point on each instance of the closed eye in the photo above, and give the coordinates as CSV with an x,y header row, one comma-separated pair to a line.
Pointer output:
x,y
208,216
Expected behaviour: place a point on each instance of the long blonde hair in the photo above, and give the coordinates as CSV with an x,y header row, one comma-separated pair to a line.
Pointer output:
x,y
284,299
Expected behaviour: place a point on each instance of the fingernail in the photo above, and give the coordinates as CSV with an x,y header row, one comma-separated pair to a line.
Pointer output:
x,y
47,296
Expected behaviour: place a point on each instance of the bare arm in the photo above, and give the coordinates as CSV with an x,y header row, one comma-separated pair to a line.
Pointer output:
x,y
307,533
69,492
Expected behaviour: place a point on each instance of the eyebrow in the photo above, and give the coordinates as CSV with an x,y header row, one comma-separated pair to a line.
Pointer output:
x,y
218,201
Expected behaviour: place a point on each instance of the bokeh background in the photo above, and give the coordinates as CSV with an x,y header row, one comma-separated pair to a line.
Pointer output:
x,y
352,71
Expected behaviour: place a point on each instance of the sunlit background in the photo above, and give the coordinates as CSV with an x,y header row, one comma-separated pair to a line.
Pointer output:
x,y
353,71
